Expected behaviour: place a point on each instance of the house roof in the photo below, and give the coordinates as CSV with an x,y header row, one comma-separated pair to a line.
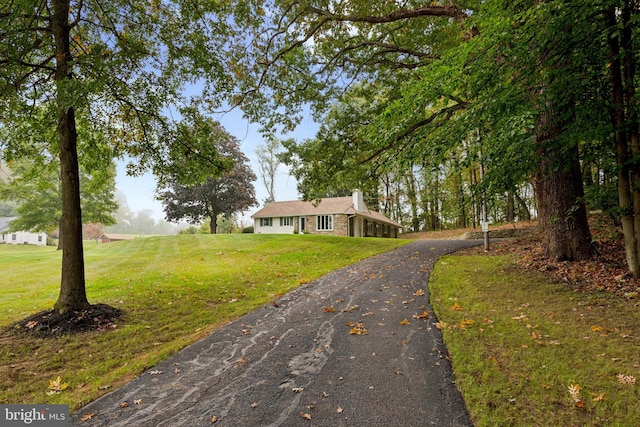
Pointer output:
x,y
113,236
4,222
328,206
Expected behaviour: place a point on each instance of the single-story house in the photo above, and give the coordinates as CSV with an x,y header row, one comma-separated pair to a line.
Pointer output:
x,y
342,216
111,237
19,237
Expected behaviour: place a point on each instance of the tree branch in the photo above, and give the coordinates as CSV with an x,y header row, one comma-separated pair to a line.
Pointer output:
x,y
399,15
447,112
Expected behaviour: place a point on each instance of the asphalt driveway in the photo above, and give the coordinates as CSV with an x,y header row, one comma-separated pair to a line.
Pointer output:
x,y
356,347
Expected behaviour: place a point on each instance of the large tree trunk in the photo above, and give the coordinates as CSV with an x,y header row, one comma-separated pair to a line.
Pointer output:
x,y
562,213
72,288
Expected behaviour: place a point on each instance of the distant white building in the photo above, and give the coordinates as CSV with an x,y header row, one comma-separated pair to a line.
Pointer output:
x,y
19,237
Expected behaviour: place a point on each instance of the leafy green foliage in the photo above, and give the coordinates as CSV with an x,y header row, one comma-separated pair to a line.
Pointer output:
x,y
35,188
225,195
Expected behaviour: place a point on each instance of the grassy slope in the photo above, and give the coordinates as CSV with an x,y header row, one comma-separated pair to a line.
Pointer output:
x,y
527,352
174,289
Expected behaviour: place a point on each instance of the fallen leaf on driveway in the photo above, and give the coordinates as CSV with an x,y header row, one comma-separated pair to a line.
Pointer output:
x,y
423,316
404,322
305,415
419,292
358,329
88,416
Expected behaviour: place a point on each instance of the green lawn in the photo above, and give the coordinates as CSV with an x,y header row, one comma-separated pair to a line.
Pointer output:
x,y
529,352
174,290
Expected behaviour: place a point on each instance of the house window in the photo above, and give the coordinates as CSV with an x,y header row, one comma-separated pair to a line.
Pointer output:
x,y
324,223
14,237
39,238
266,222
286,221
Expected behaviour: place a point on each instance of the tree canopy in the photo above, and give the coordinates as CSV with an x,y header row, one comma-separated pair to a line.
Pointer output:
x,y
225,195
117,72
519,87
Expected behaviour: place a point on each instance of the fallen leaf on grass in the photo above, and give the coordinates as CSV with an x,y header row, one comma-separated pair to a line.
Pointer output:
x,y
574,393
456,307
440,325
57,386
626,379
465,323
598,398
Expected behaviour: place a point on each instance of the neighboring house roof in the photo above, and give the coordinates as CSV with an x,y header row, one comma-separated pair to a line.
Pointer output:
x,y
4,223
113,236
328,206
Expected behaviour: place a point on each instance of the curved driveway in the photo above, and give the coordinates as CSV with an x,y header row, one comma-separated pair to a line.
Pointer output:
x,y
357,347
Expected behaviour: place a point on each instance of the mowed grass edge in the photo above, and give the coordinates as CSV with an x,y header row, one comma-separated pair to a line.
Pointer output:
x,y
174,290
530,352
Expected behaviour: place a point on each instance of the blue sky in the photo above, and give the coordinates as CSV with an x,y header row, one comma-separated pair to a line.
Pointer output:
x,y
140,190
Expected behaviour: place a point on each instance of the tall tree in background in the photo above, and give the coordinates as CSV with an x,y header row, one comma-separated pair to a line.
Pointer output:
x,y
514,74
268,163
228,194
117,66
622,42
35,188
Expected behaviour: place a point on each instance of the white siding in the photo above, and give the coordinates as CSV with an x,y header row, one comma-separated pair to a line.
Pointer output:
x,y
24,238
276,228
